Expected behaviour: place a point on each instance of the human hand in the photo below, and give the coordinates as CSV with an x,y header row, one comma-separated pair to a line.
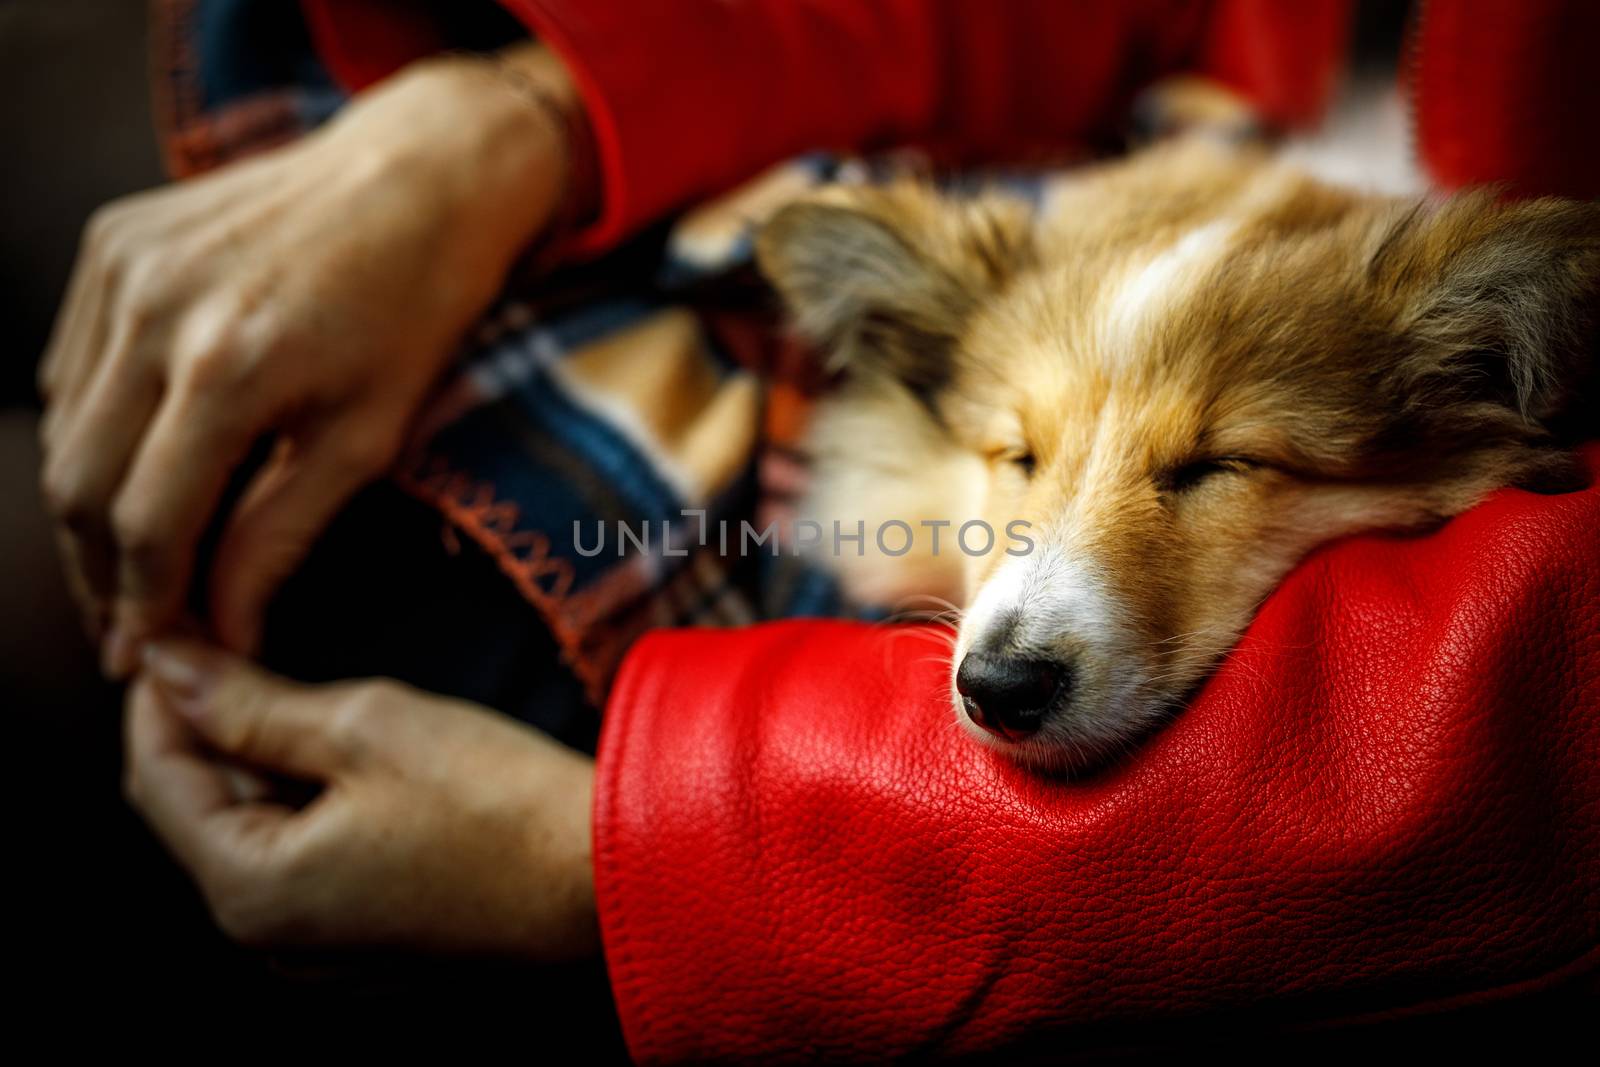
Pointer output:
x,y
311,295
438,825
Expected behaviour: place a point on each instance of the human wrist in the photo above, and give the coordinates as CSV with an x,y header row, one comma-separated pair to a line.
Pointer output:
x,y
532,140
545,83
561,912
477,141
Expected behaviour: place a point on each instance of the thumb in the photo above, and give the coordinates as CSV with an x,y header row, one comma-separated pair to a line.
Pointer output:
x,y
281,515
244,712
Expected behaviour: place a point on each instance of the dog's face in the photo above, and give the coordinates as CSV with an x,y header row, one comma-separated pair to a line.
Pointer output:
x,y
1182,373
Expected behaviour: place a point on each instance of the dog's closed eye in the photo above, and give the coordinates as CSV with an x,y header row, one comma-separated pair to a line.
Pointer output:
x,y
1022,461
1018,458
1188,476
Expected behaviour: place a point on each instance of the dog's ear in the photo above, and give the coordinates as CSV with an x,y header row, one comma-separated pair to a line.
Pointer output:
x,y
1496,300
885,278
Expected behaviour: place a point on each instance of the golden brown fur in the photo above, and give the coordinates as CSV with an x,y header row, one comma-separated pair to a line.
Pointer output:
x,y
1185,370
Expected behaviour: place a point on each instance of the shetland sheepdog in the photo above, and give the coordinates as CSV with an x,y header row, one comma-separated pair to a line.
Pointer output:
x,y
1183,371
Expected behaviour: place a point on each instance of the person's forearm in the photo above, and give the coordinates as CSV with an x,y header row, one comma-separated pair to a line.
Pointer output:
x,y
522,141
546,83
690,98
799,857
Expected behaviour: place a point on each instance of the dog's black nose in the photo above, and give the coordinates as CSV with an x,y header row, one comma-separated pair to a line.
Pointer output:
x,y
1008,695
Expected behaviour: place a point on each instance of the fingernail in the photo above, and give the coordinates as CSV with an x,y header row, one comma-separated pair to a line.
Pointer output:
x,y
120,653
183,677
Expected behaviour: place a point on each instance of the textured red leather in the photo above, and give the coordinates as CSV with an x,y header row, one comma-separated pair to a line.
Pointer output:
x,y
1390,793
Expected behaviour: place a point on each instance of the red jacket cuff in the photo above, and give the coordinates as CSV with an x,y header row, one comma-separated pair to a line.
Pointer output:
x,y
1389,792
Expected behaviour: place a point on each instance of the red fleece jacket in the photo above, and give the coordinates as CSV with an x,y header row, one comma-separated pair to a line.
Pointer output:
x,y
1391,792
689,97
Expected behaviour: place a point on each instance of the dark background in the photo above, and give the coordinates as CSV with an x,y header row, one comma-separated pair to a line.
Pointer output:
x,y
75,130
89,894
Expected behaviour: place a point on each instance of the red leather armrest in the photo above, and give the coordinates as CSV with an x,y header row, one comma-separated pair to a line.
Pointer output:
x,y
1389,794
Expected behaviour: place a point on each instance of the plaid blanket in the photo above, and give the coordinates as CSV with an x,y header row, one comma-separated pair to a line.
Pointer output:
x,y
623,440
651,391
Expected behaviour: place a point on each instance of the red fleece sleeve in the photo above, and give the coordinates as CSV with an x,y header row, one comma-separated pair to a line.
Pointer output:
x,y
1509,93
688,97
1391,791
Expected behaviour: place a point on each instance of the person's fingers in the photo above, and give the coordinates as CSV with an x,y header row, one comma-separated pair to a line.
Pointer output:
x,y
85,463
246,713
233,841
74,344
95,612
170,779
71,354
281,515
202,430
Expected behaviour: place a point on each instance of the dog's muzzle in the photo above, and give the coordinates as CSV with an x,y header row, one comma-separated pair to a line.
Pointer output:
x,y
1009,696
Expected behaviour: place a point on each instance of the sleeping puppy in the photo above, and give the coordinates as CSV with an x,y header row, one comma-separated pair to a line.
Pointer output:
x,y
1181,373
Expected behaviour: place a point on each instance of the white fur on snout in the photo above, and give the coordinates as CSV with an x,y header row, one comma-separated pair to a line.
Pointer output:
x,y
1047,598
1054,605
